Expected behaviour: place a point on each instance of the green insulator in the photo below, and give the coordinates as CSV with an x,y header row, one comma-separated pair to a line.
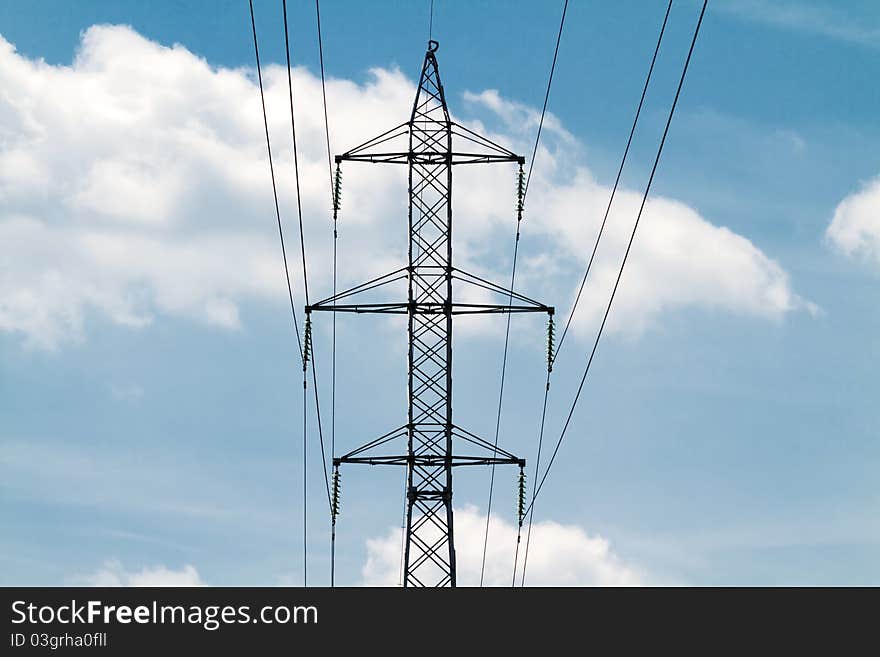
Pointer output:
x,y
334,502
337,189
520,191
307,342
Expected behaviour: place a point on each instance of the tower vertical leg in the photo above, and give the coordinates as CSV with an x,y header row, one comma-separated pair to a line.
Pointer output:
x,y
429,558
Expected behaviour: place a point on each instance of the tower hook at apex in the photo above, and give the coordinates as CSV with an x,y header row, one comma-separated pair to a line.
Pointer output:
x,y
433,45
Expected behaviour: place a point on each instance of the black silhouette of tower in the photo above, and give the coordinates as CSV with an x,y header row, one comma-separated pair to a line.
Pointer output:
x,y
430,144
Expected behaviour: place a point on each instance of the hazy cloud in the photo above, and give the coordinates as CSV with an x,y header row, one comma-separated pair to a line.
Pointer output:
x,y
824,19
112,573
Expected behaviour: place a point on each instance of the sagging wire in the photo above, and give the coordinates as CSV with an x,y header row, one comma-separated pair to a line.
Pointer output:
x,y
593,256
283,255
520,206
629,141
540,484
336,196
302,243
522,190
336,192
306,357
551,336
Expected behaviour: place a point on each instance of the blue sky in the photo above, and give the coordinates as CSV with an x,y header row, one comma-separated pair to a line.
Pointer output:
x,y
727,434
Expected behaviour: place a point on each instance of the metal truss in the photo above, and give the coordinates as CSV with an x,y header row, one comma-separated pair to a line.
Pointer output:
x,y
524,305
430,144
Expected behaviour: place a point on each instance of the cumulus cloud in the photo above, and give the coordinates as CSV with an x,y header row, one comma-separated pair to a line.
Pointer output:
x,y
559,555
678,260
112,573
134,186
855,227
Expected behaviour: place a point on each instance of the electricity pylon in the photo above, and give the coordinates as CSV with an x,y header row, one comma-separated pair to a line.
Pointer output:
x,y
430,144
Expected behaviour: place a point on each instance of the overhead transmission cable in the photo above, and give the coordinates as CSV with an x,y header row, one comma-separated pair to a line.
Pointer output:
x,y
523,191
302,242
274,187
540,485
299,342
308,344
598,239
616,183
334,198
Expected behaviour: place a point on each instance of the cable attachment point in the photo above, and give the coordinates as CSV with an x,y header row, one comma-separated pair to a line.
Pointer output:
x,y
334,501
337,190
307,343
551,342
521,496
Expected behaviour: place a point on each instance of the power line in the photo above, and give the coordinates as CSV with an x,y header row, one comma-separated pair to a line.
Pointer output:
x,y
616,181
274,187
335,251
587,273
324,95
500,400
513,281
531,512
284,256
302,241
304,348
625,256
546,97
307,338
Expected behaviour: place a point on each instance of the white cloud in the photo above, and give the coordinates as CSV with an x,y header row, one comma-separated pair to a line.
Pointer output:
x,y
112,573
813,18
134,185
559,555
855,227
678,260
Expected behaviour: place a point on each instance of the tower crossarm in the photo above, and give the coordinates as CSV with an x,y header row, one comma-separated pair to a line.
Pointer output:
x,y
468,147
404,308
507,301
367,454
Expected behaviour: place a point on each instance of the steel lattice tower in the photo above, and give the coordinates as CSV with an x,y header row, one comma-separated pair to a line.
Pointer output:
x,y
429,145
